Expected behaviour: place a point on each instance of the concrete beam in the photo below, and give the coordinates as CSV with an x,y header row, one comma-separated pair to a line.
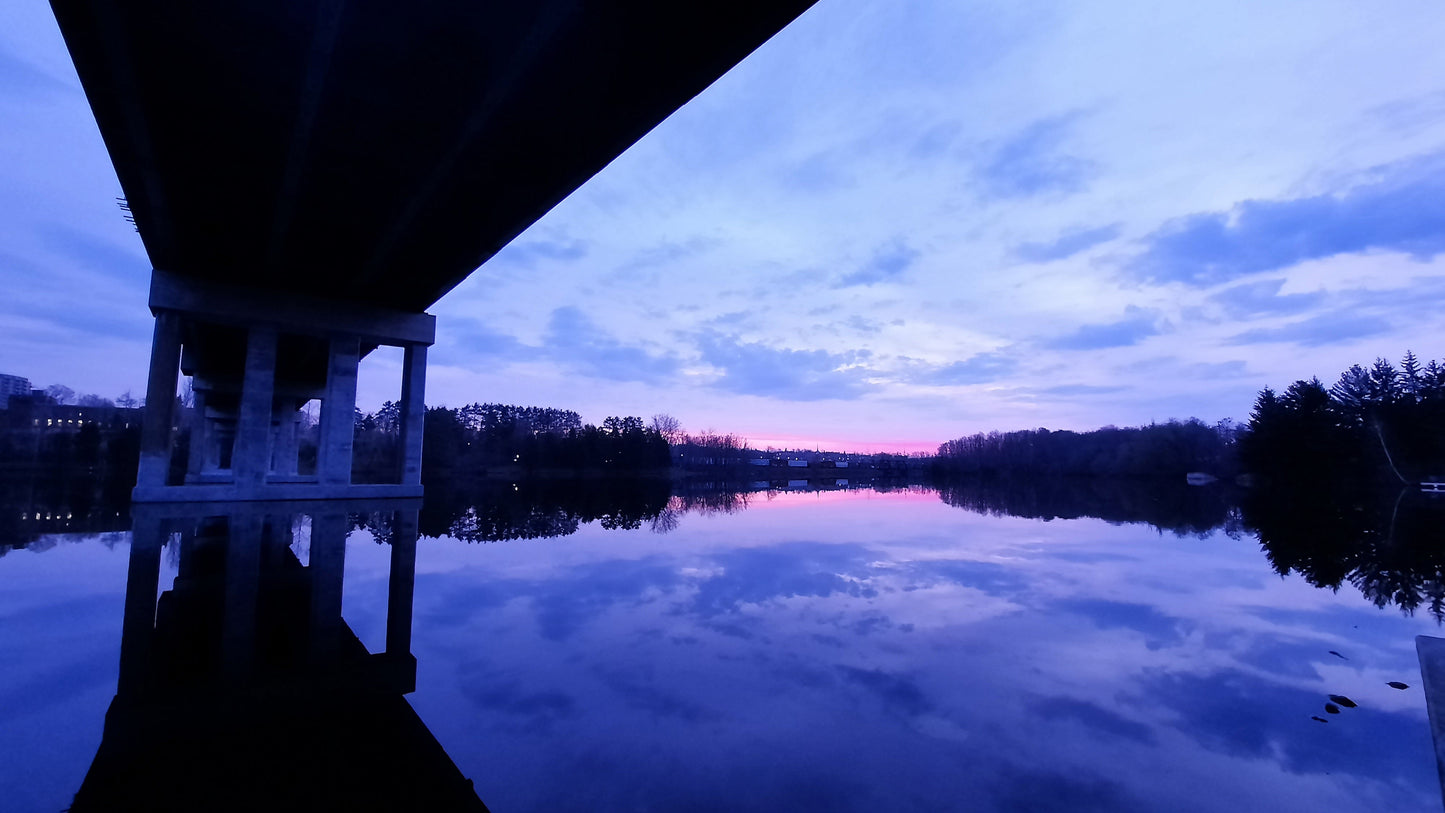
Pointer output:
x,y
290,313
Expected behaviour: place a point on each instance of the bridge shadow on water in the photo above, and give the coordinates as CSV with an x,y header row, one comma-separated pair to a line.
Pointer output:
x,y
241,687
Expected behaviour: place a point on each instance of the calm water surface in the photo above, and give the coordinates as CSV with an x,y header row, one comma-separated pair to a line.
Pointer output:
x,y
839,650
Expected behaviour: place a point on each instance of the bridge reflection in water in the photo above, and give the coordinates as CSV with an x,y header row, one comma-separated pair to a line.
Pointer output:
x,y
241,687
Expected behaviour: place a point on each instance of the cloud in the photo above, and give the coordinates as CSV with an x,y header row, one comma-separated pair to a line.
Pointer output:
x,y
1400,208
1318,331
1248,717
23,82
1019,789
979,369
1071,390
887,263
1138,324
528,253
478,340
1030,162
1263,298
1067,244
638,692
670,252
819,173
1094,718
1157,628
791,375
574,340
758,575
536,711
1176,369
897,694
989,577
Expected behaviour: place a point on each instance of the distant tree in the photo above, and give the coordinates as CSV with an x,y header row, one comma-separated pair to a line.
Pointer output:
x,y
388,418
92,400
1411,375
60,393
669,427
127,401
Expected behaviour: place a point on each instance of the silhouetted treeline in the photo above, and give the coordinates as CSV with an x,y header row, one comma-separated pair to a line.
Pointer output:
x,y
1169,505
1385,422
1168,450
473,439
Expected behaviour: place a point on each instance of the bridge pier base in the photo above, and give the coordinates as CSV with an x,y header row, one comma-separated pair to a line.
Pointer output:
x,y
255,359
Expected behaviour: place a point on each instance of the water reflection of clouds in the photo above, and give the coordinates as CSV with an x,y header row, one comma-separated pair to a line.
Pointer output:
x,y
973,662
59,650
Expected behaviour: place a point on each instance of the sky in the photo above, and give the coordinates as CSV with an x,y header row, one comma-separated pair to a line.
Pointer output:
x,y
894,224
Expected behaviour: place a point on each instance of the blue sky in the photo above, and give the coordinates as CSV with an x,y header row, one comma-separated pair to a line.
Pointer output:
x,y
894,224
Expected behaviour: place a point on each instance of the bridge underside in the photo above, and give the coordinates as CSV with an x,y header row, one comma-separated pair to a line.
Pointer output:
x,y
309,175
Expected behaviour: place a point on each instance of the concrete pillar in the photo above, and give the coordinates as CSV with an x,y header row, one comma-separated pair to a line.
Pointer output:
x,y
251,456
287,444
186,558
327,567
155,442
338,413
139,620
196,459
242,587
401,584
413,413
222,434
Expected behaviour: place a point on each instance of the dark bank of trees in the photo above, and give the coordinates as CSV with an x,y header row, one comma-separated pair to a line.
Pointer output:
x,y
480,438
1166,450
1384,423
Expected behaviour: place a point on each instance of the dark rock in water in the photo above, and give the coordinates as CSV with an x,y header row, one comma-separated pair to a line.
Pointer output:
x,y
1319,719
1343,701
1332,708
1338,655
1395,684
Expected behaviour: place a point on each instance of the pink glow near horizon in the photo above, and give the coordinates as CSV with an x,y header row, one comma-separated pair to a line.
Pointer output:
x,y
791,499
833,444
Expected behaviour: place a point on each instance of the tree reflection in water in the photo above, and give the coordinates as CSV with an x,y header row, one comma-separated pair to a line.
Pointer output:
x,y
1390,545
1174,507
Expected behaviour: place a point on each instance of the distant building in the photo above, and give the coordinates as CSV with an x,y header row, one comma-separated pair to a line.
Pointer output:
x,y
12,385
36,412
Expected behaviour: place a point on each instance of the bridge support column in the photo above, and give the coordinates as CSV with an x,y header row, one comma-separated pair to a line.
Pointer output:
x,y
251,456
338,413
155,439
413,413
255,356
287,442
200,438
